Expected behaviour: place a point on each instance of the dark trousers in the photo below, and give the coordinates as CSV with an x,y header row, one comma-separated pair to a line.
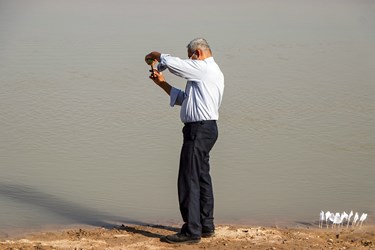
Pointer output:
x,y
194,181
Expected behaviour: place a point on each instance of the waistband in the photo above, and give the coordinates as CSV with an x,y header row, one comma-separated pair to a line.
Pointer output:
x,y
200,122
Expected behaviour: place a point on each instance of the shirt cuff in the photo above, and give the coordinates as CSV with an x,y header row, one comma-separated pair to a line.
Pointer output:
x,y
163,58
173,96
163,62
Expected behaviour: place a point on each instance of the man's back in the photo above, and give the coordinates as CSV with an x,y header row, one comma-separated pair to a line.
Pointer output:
x,y
204,90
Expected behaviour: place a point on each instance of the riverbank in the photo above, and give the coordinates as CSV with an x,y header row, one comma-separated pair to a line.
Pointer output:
x,y
226,237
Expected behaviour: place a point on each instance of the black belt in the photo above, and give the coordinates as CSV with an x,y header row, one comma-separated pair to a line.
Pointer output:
x,y
200,122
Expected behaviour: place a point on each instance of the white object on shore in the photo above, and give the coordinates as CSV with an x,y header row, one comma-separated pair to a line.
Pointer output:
x,y
328,214
349,217
321,219
355,219
344,216
338,219
332,217
363,218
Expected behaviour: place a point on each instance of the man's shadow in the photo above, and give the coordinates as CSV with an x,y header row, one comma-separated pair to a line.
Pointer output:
x,y
74,211
133,229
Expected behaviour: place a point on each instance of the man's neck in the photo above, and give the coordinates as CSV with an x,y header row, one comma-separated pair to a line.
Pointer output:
x,y
206,54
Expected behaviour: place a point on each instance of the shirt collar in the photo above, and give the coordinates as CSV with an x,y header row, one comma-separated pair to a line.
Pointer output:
x,y
209,59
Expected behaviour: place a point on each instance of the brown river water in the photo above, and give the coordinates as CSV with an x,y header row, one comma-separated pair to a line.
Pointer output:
x,y
86,137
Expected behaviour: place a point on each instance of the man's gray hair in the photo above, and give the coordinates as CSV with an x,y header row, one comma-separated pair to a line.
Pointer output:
x,y
198,43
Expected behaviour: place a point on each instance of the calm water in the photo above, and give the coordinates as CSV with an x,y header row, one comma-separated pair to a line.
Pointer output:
x,y
87,138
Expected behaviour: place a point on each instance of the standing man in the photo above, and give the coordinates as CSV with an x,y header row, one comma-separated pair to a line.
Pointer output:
x,y
200,104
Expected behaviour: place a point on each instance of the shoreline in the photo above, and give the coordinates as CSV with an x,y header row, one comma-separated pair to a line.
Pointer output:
x,y
227,236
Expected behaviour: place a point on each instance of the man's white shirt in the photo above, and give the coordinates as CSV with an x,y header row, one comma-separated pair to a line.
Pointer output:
x,y
204,90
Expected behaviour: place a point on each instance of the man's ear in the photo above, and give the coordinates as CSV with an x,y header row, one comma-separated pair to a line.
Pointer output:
x,y
198,53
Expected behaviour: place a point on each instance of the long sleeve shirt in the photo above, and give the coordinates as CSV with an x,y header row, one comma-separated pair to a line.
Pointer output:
x,y
201,99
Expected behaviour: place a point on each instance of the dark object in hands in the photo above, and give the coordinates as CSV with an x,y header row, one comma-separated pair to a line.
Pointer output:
x,y
151,63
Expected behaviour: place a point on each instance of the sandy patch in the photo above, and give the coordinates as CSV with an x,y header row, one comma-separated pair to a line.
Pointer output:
x,y
226,237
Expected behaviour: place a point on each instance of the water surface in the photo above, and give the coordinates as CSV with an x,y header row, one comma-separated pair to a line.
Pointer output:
x,y
87,138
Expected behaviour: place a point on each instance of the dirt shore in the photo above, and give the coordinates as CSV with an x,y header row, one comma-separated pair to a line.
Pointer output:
x,y
226,237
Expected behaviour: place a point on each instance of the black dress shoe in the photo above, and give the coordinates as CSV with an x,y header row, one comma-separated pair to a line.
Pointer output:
x,y
208,233
181,238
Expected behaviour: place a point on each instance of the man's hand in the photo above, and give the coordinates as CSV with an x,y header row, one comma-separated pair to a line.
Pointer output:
x,y
157,77
152,57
